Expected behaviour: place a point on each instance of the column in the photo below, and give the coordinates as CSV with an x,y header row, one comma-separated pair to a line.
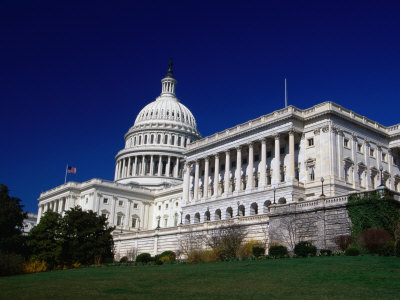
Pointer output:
x,y
227,172
134,166
168,166
389,160
216,175
128,214
263,164
145,221
129,167
238,169
292,169
116,171
277,162
143,166
196,180
340,153
160,165
151,165
113,205
124,167
206,175
354,159
176,169
368,182
249,184
186,183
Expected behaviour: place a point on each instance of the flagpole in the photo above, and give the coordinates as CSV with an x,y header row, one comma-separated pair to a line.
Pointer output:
x,y
285,94
65,178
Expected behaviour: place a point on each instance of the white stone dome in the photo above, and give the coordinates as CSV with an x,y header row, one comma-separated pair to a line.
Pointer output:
x,y
166,109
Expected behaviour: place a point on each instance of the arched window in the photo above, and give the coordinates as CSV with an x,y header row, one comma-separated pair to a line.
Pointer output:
x,y
301,199
145,139
253,209
187,219
165,139
152,139
134,141
207,216
159,139
282,200
140,140
266,206
229,213
179,141
241,211
217,215
173,140
197,218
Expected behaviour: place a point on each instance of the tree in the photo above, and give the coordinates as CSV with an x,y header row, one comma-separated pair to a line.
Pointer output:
x,y
11,222
45,241
87,237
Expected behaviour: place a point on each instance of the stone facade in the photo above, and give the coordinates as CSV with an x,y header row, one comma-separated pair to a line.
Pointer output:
x,y
169,181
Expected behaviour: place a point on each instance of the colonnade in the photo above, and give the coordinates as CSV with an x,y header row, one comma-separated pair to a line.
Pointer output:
x,y
234,178
148,165
57,206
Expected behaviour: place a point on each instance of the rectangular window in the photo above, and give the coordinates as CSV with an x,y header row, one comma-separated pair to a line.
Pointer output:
x,y
359,148
104,215
310,142
384,157
133,222
105,201
346,174
166,205
372,152
135,205
119,220
165,222
269,179
282,176
346,143
311,174
120,202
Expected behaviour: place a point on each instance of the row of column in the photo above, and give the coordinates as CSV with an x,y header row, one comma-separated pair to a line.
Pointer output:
x,y
276,176
57,206
152,165
158,139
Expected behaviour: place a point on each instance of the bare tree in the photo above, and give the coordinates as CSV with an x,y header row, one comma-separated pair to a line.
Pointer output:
x,y
226,240
131,254
190,241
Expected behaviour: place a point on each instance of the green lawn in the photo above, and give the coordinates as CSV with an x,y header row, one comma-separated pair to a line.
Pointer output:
x,y
363,277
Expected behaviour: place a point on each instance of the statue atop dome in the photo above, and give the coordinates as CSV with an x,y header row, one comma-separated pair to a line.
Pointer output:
x,y
170,72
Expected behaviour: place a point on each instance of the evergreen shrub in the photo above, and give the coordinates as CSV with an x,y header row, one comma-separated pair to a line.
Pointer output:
x,y
352,251
277,251
305,249
143,258
258,251
123,259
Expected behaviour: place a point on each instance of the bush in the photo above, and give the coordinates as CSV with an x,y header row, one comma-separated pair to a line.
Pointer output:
x,y
34,266
10,264
343,241
387,249
205,256
167,256
305,249
124,259
258,251
246,250
325,252
397,249
352,251
374,239
143,258
277,251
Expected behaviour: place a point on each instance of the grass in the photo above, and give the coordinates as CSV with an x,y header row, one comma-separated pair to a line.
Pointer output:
x,y
362,277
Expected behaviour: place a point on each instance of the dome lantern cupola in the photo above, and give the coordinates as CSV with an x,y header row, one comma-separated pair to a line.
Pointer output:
x,y
168,82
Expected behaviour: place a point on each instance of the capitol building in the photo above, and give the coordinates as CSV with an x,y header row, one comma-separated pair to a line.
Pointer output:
x,y
169,181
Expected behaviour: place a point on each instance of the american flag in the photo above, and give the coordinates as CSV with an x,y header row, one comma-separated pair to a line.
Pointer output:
x,y
71,170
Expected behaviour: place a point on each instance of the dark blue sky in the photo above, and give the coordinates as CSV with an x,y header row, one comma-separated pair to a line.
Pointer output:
x,y
74,76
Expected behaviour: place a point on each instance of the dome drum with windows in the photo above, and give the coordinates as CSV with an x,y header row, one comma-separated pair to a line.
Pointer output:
x,y
154,145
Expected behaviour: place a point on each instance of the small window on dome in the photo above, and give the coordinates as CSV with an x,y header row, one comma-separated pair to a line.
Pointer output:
x,y
179,141
178,115
159,139
152,139
167,112
173,140
165,139
173,114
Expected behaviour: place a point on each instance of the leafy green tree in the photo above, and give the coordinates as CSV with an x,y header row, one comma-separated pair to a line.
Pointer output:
x,y
11,219
45,240
87,237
